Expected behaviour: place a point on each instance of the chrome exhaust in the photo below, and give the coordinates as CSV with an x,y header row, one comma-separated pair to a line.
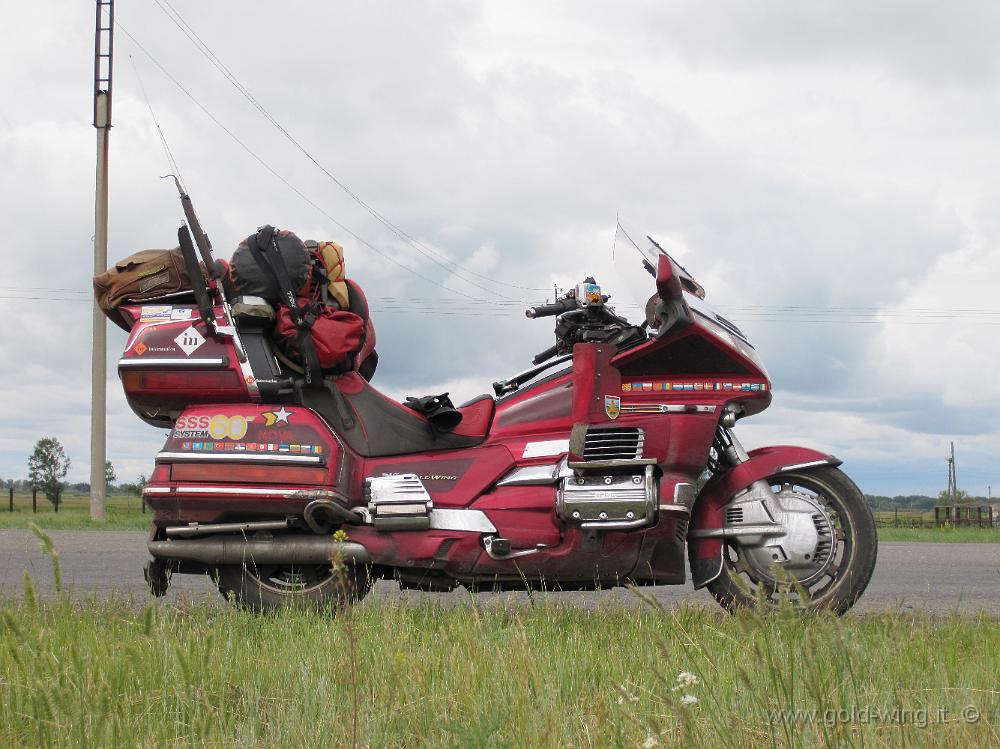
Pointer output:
x,y
297,549
205,529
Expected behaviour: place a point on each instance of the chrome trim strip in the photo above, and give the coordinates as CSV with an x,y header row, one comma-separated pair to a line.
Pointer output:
x,y
156,490
614,463
619,525
811,464
236,491
443,519
532,476
675,508
667,408
275,458
193,363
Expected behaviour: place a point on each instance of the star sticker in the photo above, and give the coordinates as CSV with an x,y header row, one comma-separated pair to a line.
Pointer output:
x,y
276,417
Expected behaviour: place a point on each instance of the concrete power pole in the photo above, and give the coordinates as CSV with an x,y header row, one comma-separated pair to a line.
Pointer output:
x,y
103,49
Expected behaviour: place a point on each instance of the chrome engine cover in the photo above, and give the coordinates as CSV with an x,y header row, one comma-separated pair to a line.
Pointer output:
x,y
607,500
398,502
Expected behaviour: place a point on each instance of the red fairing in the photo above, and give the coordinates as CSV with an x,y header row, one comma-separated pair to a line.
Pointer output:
x,y
476,417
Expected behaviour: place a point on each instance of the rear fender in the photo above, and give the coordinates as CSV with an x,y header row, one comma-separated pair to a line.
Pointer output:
x,y
705,554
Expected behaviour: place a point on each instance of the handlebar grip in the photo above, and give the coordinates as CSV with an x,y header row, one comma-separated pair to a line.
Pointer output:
x,y
548,310
546,354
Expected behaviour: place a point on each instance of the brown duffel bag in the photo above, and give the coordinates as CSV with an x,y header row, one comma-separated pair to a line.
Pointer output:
x,y
147,275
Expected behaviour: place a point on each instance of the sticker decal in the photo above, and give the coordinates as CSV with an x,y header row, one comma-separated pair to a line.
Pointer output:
x,y
545,448
276,417
180,313
154,312
190,340
612,406
679,387
218,427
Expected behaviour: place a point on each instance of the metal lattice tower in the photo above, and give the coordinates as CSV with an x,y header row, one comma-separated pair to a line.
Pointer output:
x,y
952,478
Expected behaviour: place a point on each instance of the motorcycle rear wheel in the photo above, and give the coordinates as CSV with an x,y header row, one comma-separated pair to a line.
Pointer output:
x,y
268,587
853,556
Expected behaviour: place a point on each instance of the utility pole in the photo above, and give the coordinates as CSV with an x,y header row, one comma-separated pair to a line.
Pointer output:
x,y
952,479
103,50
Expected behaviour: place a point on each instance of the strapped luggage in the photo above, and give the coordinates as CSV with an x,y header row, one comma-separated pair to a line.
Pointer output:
x,y
147,275
314,328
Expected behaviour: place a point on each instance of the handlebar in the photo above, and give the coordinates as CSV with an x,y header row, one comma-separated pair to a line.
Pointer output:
x,y
548,310
546,354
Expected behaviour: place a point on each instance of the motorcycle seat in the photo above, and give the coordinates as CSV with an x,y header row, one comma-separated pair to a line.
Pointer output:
x,y
375,426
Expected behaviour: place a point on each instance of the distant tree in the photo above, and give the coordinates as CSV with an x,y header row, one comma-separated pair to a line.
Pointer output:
x,y
109,473
961,498
137,487
47,467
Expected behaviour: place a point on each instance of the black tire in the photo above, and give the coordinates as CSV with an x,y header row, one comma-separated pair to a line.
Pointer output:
x,y
854,559
265,588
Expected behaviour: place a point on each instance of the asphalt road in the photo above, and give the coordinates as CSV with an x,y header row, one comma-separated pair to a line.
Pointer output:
x,y
932,577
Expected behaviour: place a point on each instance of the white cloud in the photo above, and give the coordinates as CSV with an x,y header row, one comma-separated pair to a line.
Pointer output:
x,y
796,156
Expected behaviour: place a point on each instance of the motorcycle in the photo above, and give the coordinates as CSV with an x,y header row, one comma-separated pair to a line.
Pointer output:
x,y
604,464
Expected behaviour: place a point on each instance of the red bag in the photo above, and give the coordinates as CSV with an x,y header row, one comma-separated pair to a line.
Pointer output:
x,y
336,334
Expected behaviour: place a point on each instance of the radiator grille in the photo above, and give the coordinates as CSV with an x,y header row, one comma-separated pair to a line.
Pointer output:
x,y
609,443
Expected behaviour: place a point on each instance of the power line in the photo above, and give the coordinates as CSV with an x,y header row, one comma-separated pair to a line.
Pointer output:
x,y
282,179
431,254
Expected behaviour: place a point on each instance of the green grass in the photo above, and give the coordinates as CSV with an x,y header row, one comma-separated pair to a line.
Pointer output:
x,y
494,674
123,513
942,535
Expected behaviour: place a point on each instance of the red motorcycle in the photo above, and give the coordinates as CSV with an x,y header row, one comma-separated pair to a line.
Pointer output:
x,y
594,468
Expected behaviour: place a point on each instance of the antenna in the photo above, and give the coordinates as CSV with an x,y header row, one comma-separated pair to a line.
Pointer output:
x,y
103,50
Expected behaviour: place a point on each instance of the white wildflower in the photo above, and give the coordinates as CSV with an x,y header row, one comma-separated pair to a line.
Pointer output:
x,y
689,699
685,679
650,742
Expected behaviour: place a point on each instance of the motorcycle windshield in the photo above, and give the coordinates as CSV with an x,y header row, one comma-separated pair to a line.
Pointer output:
x,y
636,256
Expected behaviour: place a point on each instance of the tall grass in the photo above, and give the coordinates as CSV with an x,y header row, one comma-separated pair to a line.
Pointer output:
x,y
500,674
510,672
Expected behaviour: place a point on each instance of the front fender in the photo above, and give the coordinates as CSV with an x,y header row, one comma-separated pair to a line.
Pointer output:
x,y
705,554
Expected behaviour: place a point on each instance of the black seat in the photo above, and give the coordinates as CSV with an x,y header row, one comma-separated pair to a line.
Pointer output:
x,y
375,426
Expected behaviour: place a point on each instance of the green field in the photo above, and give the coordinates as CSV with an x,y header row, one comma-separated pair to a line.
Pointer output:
x,y
123,513
941,535
500,674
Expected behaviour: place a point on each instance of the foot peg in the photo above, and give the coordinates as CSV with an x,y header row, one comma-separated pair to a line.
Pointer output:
x,y
499,548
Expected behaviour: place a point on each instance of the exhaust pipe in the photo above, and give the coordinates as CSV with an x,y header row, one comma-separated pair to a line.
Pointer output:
x,y
239,550
322,514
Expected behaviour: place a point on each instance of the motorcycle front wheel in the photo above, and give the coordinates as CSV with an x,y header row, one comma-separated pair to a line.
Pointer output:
x,y
267,587
823,565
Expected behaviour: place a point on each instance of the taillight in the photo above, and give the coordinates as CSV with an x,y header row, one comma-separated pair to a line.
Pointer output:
x,y
213,381
247,474
160,474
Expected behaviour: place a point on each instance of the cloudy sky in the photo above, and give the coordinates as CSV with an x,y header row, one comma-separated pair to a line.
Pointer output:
x,y
828,171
